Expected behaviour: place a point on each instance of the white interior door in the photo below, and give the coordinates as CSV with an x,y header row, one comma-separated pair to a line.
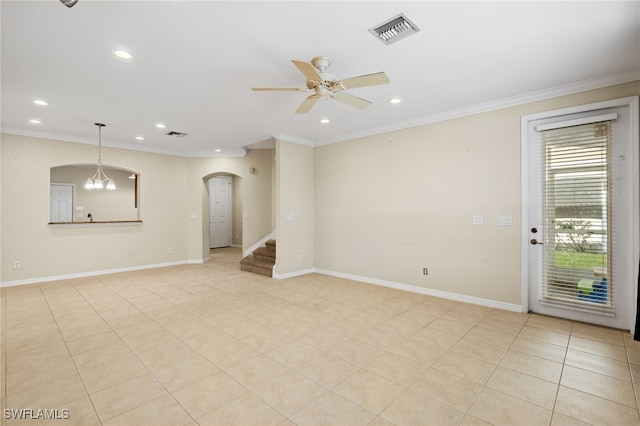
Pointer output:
x,y
220,212
582,235
61,202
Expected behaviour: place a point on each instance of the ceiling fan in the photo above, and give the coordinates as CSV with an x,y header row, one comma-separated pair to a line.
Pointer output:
x,y
324,84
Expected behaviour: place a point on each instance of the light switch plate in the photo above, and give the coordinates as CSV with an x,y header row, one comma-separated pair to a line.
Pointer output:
x,y
504,221
478,220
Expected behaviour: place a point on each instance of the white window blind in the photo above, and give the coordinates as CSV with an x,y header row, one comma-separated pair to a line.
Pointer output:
x,y
576,267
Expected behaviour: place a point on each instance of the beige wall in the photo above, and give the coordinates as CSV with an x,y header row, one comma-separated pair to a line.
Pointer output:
x,y
294,195
236,211
381,207
49,250
171,192
389,205
256,198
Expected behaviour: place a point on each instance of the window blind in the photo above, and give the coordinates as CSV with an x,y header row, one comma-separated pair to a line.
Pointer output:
x,y
576,267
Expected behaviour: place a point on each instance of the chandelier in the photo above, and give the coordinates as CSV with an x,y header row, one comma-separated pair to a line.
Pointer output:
x,y
99,178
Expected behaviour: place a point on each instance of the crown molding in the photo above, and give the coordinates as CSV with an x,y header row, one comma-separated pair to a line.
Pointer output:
x,y
236,153
295,139
540,95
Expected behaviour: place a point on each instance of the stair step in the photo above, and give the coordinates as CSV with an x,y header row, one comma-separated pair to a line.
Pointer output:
x,y
250,264
265,252
266,259
262,260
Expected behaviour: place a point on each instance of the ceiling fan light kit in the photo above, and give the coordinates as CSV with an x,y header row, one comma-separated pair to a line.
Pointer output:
x,y
324,84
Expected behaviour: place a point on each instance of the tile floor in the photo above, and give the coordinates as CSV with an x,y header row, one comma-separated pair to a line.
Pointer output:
x,y
211,345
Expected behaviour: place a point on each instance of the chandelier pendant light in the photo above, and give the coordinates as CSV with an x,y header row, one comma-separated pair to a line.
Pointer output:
x,y
98,180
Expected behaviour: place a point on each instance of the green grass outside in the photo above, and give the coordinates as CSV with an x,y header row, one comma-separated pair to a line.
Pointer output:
x,y
578,260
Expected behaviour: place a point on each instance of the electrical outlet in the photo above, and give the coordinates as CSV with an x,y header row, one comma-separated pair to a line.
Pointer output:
x,y
425,271
299,257
170,250
16,264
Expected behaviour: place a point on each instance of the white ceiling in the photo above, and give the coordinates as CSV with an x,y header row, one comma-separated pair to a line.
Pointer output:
x,y
195,62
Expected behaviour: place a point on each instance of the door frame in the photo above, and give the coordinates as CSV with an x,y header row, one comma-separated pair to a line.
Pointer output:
x,y
230,205
630,102
73,198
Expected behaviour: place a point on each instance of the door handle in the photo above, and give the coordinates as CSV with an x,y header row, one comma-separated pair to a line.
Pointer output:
x,y
534,242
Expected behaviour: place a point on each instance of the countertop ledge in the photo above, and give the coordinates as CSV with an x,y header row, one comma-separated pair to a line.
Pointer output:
x,y
98,222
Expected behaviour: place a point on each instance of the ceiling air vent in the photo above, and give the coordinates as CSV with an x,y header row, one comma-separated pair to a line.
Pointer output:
x,y
394,29
177,134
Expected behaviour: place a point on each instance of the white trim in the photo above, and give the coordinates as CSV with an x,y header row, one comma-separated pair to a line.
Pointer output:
x,y
240,152
427,291
540,95
526,98
271,236
229,179
632,102
294,139
293,274
577,122
92,273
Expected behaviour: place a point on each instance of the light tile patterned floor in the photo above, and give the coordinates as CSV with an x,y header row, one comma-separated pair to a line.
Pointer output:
x,y
211,345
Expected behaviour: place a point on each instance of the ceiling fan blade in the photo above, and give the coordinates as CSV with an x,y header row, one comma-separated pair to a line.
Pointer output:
x,y
348,99
365,80
308,70
307,104
279,89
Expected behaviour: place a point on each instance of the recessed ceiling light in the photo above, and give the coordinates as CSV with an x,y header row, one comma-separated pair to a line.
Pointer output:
x,y
325,120
160,126
139,138
395,100
121,54
35,121
218,150
40,102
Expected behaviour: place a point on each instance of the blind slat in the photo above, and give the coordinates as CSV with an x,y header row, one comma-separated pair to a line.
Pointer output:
x,y
575,205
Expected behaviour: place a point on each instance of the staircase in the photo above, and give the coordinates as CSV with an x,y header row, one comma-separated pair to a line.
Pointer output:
x,y
262,260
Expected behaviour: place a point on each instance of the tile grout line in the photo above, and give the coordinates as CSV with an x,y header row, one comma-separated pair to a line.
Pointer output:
x,y
135,355
564,362
221,370
633,380
75,366
484,385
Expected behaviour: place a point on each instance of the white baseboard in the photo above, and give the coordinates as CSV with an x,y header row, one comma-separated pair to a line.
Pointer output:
x,y
293,274
427,291
406,287
92,273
